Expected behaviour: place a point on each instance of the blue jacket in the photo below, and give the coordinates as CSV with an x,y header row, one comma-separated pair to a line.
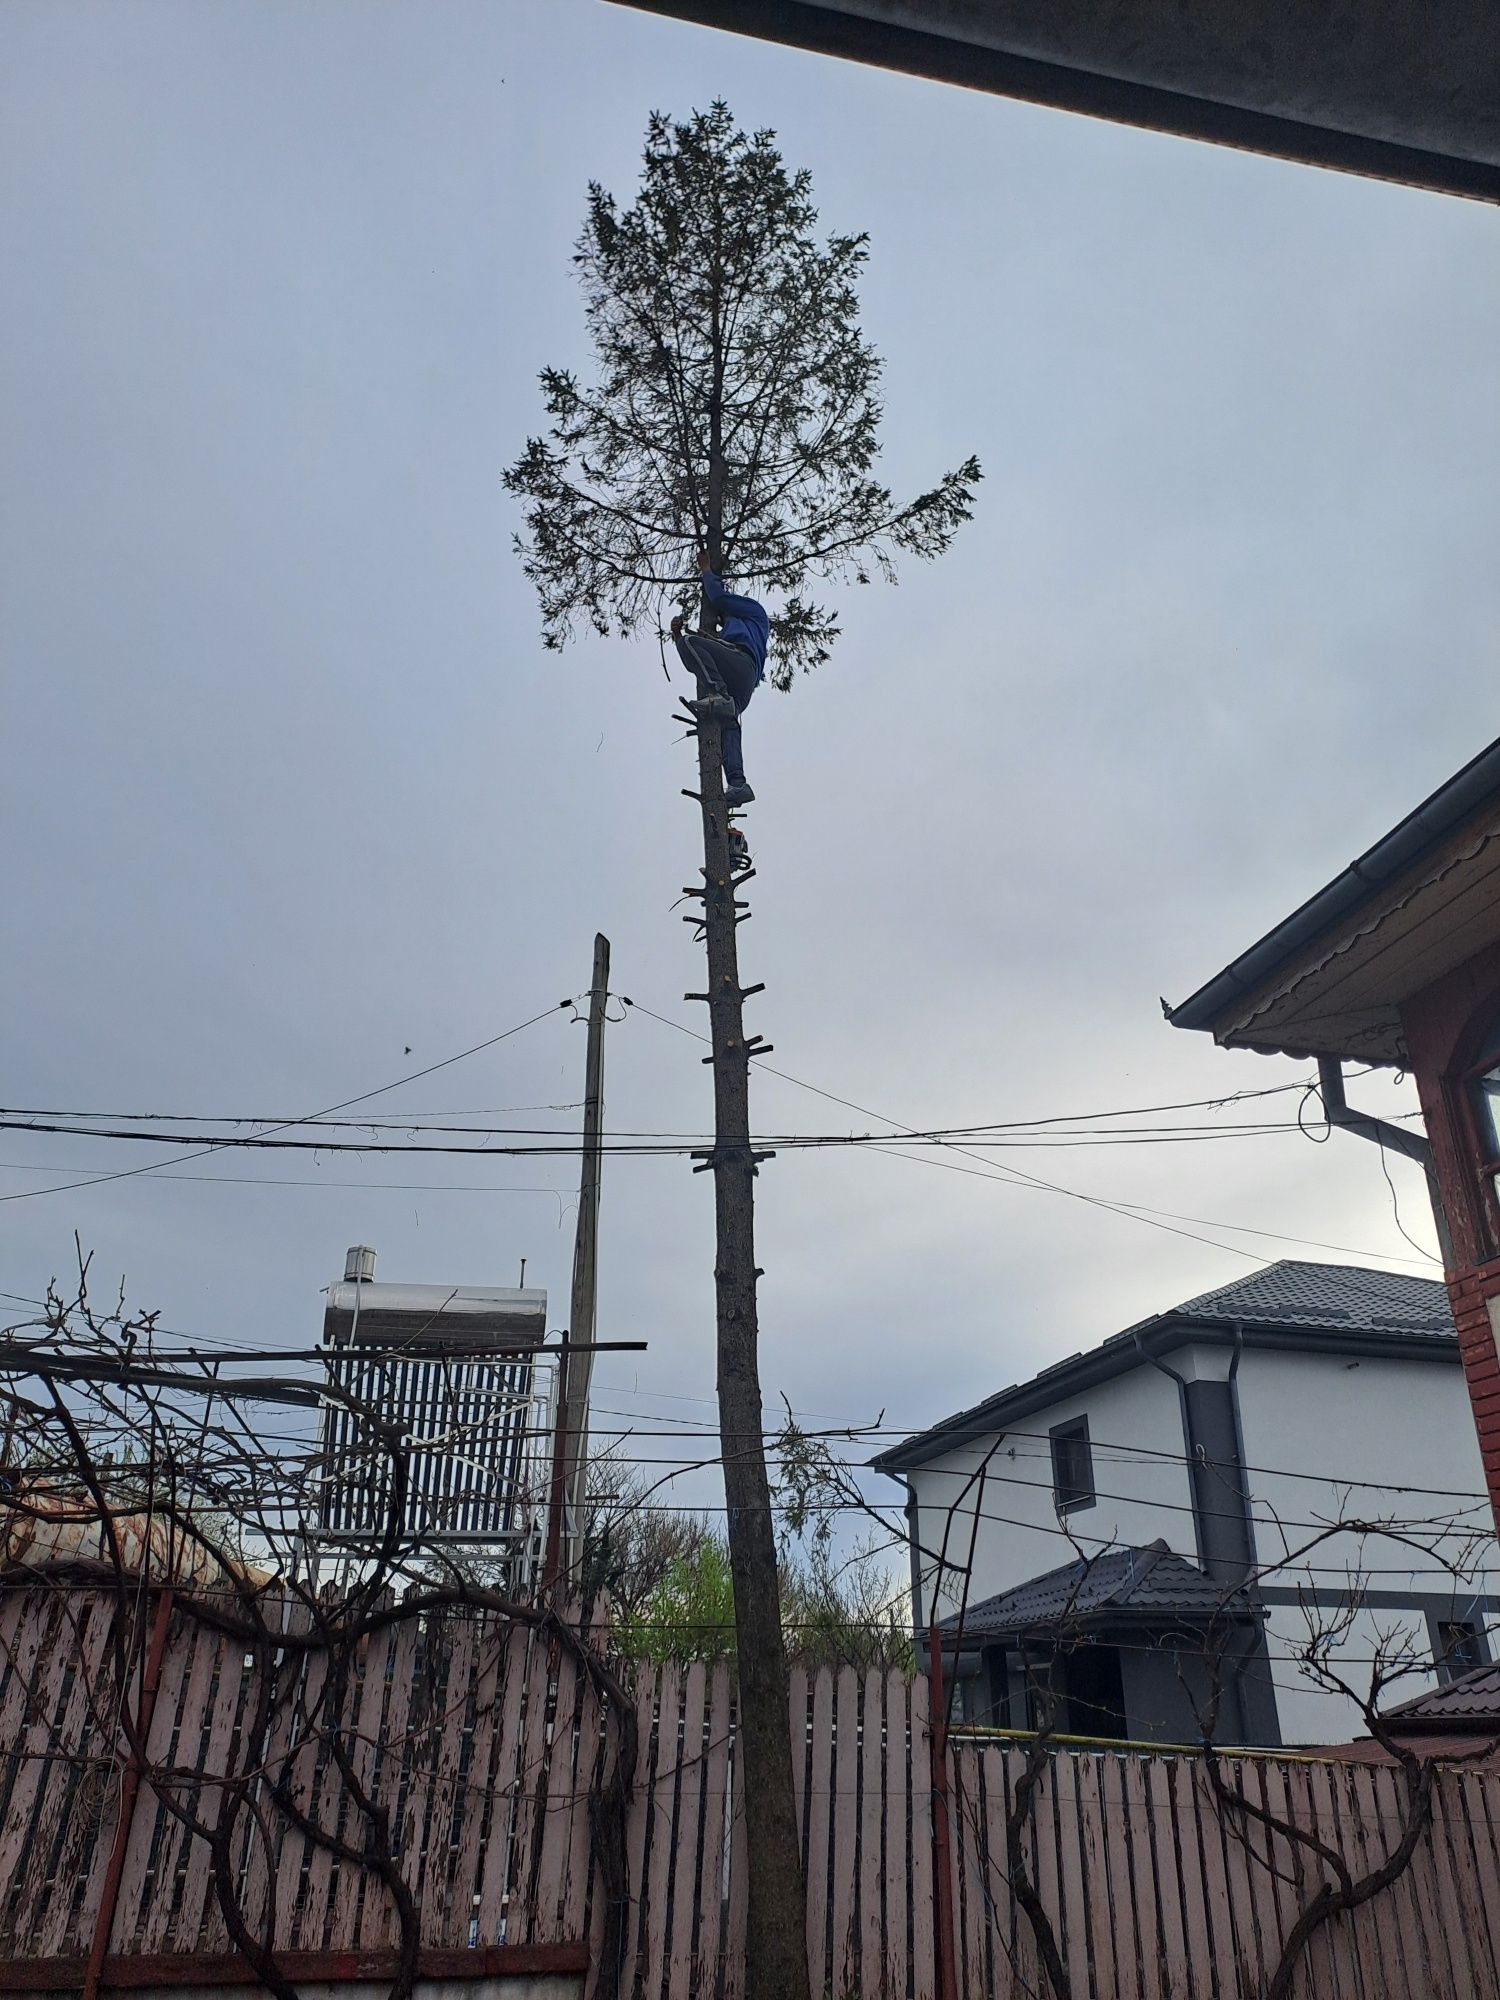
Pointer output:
x,y
742,622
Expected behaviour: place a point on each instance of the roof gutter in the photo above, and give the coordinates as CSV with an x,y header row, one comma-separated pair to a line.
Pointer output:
x,y
1476,785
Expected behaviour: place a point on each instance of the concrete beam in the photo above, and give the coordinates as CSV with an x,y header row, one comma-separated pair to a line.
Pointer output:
x,y
1407,90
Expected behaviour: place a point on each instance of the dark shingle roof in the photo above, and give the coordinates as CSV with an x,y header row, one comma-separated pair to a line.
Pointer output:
x,y
1130,1580
1471,1701
1334,1304
1327,1295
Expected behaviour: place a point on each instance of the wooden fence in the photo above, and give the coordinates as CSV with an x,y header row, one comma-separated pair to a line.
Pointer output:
x,y
483,1744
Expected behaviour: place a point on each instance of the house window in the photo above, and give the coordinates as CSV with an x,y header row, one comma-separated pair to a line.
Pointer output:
x,y
1072,1466
1487,1105
1456,1647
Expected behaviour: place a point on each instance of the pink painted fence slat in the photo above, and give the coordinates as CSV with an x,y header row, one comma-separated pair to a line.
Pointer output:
x,y
483,1743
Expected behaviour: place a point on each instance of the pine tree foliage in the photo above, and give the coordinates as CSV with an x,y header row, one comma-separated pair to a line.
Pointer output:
x,y
735,407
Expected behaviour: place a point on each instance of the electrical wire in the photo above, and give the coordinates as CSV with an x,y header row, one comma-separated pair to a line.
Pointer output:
x,y
314,1181
1014,1176
430,1069
623,1143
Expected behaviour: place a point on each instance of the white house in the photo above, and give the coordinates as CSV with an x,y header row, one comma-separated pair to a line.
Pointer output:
x,y
1185,1485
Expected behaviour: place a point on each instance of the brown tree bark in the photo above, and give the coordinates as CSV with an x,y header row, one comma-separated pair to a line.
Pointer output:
x,y
776,1941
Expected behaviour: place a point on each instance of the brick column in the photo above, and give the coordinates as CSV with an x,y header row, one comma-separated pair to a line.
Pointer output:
x,y
1474,1296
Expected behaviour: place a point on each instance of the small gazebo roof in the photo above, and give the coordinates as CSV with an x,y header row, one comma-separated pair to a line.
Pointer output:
x,y
1331,979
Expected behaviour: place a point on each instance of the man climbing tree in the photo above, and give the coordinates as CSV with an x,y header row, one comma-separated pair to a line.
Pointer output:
x,y
733,419
729,667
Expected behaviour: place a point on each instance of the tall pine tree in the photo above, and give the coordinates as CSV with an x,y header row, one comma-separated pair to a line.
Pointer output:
x,y
735,407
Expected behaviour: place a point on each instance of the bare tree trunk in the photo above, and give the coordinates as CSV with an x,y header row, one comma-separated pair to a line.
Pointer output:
x,y
777,1928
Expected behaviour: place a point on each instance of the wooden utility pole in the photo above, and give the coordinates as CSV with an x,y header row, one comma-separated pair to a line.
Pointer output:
x,y
776,1938
574,1393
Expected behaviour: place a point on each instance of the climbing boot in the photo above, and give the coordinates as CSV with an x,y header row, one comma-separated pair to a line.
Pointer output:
x,y
738,793
714,708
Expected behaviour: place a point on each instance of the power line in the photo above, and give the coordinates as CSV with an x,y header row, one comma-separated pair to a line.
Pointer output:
x,y
619,1143
150,1371
1014,1176
397,1119
309,1181
430,1069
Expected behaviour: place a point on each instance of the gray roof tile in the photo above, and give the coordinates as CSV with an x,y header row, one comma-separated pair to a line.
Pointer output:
x,y
1473,1699
1280,1300
1133,1580
1327,1295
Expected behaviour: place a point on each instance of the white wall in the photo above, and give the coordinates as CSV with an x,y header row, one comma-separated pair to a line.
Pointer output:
x,y
1396,1423
1018,1535
1401,1423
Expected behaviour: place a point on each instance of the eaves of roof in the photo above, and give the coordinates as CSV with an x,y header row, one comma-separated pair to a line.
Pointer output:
x,y
1260,79
1122,1351
1465,793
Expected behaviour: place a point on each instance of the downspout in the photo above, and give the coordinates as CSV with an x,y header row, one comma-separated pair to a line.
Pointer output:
x,y
914,1555
1388,1137
1191,1461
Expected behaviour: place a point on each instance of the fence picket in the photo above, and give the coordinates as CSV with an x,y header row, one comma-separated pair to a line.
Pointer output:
x,y
1146,1876
717,1805
84,1809
897,1938
739,1885
873,1763
1430,1965
54,1785
1462,1924
843,1963
819,1826
1073,1904
574,1917
924,1936
1096,1870
502,1657
1281,1901
1121,1883
253,1857
521,1757
1210,1837
304,1873
1464,1798
687,1838
408,1652
664,1823
27,1709
433,1815
641,1806
1164,1950
484,1746
191,1737
230,1749
1327,1957
1243,1897
1001,1950
144,1844
363,1709
550,1897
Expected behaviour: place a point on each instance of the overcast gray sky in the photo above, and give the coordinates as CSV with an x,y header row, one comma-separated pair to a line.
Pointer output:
x,y
291,784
